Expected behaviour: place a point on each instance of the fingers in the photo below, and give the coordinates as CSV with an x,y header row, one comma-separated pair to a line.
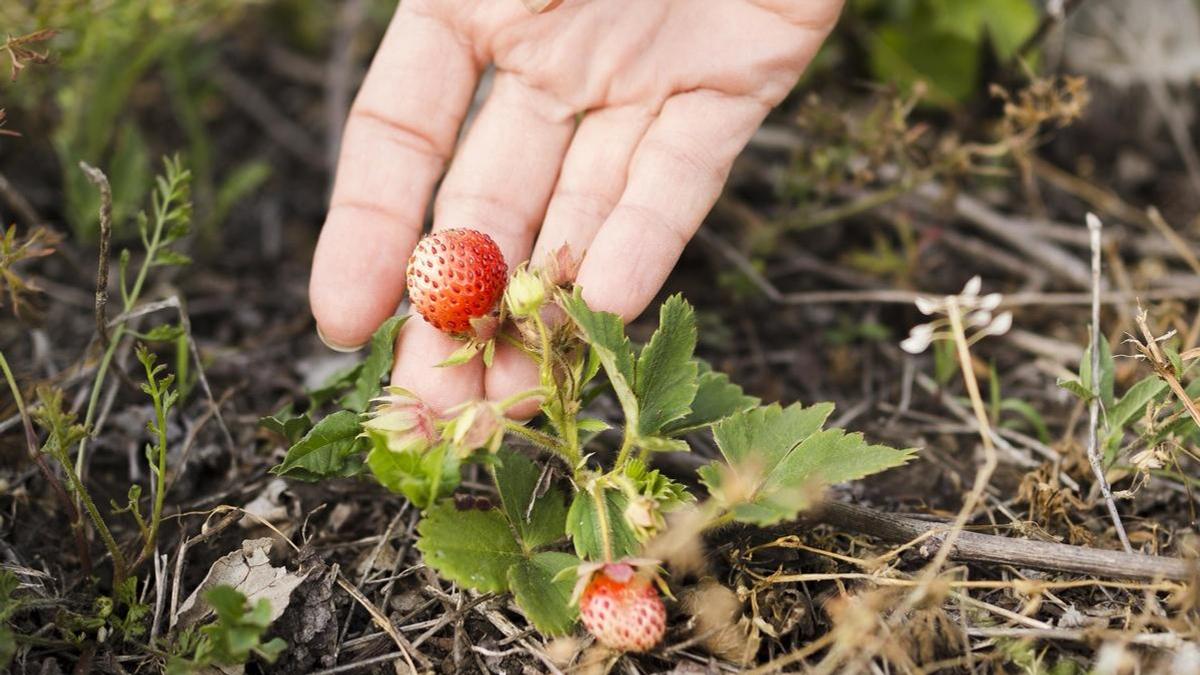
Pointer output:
x,y
400,132
674,179
505,169
589,185
592,178
498,183
419,348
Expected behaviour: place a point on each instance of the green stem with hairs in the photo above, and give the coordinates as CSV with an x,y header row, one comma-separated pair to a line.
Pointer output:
x,y
597,494
543,440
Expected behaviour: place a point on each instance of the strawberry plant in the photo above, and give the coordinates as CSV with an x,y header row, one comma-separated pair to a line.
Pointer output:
x,y
569,515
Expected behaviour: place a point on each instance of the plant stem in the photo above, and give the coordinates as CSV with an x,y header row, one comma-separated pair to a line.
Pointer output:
x,y
160,477
545,365
542,440
1093,447
85,558
623,453
597,494
119,566
129,300
984,474
569,430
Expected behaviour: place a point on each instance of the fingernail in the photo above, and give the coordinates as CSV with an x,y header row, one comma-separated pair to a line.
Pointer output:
x,y
335,346
539,6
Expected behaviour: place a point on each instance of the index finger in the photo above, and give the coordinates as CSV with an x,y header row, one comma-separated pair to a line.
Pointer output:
x,y
399,135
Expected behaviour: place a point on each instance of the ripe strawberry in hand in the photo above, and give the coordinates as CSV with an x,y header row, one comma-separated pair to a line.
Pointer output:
x,y
455,276
620,605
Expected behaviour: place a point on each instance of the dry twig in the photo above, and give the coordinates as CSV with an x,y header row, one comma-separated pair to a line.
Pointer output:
x,y
1093,446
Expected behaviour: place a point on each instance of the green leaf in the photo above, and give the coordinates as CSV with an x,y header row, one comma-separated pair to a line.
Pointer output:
x,y
334,385
1130,407
1007,23
8,606
1106,373
605,334
1077,388
422,477
471,548
165,257
235,635
542,595
461,355
660,444
777,454
941,42
1172,355
765,435
1030,414
833,456
166,332
242,181
716,398
377,365
906,54
1134,402
8,645
291,427
665,378
583,525
517,482
326,451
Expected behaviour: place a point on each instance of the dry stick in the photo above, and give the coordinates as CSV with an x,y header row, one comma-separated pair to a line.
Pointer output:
x,y
18,203
1169,233
1163,368
1056,259
1095,196
1093,447
97,178
900,297
1028,299
990,548
380,620
1157,640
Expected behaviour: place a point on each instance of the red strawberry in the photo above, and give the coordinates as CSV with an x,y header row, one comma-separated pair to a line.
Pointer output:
x,y
621,607
455,276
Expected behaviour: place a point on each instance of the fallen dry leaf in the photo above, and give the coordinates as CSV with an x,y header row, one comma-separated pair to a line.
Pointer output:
x,y
248,570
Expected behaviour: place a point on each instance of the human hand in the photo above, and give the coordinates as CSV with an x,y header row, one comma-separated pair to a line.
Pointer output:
x,y
672,90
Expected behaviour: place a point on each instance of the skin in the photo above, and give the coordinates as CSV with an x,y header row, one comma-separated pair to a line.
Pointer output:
x,y
611,126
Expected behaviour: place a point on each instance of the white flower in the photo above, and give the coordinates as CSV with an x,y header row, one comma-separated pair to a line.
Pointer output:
x,y
1000,325
919,339
972,287
977,312
929,306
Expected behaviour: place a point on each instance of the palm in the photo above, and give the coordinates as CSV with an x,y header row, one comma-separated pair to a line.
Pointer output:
x,y
671,90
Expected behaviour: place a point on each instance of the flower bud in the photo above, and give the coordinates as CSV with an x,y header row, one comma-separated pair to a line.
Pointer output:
x,y
525,294
401,422
644,516
478,424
